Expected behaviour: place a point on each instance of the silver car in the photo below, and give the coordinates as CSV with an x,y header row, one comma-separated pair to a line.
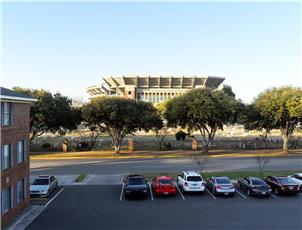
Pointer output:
x,y
221,185
297,178
43,186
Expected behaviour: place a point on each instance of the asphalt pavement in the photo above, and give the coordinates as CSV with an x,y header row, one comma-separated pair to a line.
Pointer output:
x,y
104,207
125,166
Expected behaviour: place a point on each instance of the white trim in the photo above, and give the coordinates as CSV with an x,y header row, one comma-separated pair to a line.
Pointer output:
x,y
18,99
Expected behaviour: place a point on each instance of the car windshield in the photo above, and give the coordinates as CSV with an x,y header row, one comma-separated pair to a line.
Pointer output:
x,y
165,181
222,181
136,181
285,180
258,182
194,178
298,177
40,182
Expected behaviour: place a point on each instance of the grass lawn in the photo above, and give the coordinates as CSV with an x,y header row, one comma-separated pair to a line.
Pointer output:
x,y
234,175
80,178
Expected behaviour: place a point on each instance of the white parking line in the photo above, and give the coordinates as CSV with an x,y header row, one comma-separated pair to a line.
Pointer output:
x,y
121,196
182,196
210,194
54,197
272,195
241,194
151,191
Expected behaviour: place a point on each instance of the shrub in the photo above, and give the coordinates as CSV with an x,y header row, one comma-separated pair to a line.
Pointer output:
x,y
83,145
180,135
46,145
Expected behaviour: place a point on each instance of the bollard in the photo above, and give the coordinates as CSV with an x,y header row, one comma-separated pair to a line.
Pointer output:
x,y
194,145
65,145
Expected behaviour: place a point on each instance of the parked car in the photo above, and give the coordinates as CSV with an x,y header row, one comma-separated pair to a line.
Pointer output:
x,y
190,181
135,185
255,186
297,178
43,186
282,185
221,185
163,185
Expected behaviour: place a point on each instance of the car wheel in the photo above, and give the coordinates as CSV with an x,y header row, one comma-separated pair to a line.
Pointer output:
x,y
276,191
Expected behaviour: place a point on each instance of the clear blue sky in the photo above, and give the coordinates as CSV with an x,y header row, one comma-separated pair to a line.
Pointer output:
x,y
66,47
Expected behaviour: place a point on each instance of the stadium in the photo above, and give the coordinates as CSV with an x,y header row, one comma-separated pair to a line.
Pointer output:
x,y
154,89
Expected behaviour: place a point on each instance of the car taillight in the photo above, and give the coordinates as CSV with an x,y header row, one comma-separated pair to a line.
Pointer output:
x,y
186,183
219,187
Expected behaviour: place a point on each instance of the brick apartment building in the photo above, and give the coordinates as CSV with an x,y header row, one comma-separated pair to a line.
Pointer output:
x,y
15,121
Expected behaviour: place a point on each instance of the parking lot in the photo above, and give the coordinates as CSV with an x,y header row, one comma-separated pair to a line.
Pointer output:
x,y
104,207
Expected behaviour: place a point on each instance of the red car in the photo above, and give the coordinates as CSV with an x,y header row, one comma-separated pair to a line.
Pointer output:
x,y
282,185
164,185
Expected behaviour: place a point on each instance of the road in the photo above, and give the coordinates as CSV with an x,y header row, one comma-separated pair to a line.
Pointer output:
x,y
124,166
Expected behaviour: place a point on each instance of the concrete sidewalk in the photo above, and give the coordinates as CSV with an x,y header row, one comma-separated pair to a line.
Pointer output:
x,y
25,218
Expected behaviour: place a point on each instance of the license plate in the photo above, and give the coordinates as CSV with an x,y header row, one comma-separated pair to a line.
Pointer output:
x,y
291,188
263,193
166,193
226,193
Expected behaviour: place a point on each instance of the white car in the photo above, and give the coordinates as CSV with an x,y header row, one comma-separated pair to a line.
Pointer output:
x,y
43,186
190,181
297,178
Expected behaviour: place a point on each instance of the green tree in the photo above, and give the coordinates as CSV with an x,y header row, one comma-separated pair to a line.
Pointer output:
x,y
276,108
51,113
119,117
204,110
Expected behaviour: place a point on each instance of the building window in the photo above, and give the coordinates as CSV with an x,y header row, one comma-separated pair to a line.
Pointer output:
x,y
6,113
6,203
20,152
20,191
5,157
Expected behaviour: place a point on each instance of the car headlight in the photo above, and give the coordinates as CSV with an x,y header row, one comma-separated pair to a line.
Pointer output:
x,y
145,190
269,190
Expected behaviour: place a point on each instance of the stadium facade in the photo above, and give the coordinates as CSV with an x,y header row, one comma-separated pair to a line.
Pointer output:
x,y
153,89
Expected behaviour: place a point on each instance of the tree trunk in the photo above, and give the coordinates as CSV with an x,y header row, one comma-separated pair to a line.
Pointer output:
x,y
285,143
206,148
117,148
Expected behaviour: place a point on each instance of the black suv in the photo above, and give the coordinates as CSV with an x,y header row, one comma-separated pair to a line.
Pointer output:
x,y
135,185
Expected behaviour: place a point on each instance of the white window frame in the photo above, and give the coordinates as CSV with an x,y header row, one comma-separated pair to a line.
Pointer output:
x,y
5,200
6,114
20,191
5,157
20,152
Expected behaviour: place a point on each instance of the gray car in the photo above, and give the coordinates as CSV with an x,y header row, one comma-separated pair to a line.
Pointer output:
x,y
221,185
43,186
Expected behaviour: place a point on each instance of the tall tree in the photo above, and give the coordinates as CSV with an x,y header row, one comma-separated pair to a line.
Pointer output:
x,y
276,108
204,110
51,113
119,117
